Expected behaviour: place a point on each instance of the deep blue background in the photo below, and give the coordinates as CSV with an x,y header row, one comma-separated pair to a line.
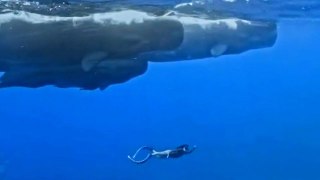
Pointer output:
x,y
252,116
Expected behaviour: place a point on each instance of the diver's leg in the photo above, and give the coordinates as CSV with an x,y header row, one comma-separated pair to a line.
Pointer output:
x,y
140,161
143,160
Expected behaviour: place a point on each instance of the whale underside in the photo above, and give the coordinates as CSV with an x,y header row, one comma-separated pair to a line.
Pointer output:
x,y
98,50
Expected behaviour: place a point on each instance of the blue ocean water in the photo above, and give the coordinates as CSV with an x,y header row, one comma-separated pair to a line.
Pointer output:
x,y
252,116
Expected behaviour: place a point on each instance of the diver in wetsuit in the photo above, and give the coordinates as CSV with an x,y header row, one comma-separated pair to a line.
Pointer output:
x,y
174,153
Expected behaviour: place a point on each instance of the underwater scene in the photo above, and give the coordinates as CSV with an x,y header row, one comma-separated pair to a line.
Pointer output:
x,y
159,90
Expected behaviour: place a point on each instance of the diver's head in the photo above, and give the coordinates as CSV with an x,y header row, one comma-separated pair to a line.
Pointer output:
x,y
185,147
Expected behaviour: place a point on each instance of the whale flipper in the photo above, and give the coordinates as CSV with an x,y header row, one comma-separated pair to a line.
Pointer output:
x,y
218,50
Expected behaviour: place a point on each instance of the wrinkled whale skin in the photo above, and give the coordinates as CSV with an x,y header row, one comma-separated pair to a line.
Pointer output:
x,y
98,50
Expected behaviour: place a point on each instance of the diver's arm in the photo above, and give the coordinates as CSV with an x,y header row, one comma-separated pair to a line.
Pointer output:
x,y
192,149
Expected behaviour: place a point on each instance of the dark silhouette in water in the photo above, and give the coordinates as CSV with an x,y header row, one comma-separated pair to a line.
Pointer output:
x,y
174,153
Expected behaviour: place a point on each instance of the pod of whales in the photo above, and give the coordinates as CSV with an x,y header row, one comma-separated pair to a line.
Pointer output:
x,y
97,50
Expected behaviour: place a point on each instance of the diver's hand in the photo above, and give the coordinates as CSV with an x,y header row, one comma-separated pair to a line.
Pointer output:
x,y
193,148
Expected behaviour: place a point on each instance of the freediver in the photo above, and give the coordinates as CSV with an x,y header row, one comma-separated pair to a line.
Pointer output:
x,y
171,153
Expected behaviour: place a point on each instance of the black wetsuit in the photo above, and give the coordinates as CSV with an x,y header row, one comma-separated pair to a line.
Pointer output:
x,y
180,151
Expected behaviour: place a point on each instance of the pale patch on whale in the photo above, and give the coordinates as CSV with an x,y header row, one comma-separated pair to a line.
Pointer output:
x,y
218,50
91,60
118,17
231,23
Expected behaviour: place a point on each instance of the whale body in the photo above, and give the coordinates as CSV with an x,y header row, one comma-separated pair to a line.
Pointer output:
x,y
101,49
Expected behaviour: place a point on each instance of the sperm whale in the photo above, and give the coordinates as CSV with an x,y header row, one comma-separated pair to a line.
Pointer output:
x,y
101,49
